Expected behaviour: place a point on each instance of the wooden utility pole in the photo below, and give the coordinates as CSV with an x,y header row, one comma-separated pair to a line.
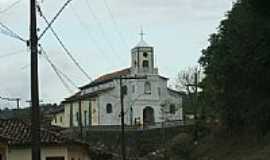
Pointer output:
x,y
195,104
35,127
80,118
123,91
18,103
123,142
195,84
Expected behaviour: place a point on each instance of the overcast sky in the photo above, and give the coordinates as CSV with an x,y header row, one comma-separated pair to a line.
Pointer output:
x,y
101,42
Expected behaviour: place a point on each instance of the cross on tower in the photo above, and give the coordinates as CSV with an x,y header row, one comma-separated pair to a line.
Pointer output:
x,y
142,33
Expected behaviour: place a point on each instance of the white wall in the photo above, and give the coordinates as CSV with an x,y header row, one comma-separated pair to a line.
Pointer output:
x,y
138,101
68,152
67,114
77,153
25,153
113,98
59,119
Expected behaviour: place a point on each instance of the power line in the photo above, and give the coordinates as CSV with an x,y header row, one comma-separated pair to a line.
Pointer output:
x,y
10,7
63,46
11,54
8,32
54,18
58,70
100,26
115,23
45,55
68,79
94,41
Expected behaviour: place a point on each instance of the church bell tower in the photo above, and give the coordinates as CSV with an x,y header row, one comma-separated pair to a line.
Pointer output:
x,y
142,58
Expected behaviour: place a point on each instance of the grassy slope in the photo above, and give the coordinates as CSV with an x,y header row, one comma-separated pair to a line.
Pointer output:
x,y
244,147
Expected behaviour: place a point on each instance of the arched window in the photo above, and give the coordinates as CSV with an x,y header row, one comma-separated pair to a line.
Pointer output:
x,y
145,64
172,109
145,54
148,115
109,108
147,88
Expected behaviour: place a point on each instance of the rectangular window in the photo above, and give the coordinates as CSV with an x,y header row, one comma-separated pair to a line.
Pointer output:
x,y
159,91
147,88
124,90
172,109
133,89
85,118
90,114
77,116
145,64
109,108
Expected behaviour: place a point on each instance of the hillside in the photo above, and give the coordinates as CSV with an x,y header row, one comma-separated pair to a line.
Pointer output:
x,y
238,147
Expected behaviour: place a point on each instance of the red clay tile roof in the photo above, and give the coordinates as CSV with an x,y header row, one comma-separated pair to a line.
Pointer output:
x,y
176,92
19,133
86,96
102,79
107,77
57,109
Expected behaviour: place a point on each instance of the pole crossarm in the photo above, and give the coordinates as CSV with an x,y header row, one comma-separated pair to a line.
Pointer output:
x,y
10,7
10,99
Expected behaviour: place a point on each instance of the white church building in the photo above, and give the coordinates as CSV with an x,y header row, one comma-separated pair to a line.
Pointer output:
x,y
146,101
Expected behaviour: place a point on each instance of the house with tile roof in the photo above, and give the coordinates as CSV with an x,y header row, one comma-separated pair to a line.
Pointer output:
x,y
57,116
146,101
54,145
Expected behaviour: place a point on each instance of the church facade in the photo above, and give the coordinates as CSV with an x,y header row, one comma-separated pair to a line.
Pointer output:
x,y
146,101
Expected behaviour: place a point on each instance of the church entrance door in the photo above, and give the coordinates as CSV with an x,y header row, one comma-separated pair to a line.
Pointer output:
x,y
148,116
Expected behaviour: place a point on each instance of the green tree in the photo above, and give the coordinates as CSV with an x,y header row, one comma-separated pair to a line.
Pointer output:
x,y
237,67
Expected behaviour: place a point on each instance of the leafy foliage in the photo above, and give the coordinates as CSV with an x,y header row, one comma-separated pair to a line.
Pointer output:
x,y
237,67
